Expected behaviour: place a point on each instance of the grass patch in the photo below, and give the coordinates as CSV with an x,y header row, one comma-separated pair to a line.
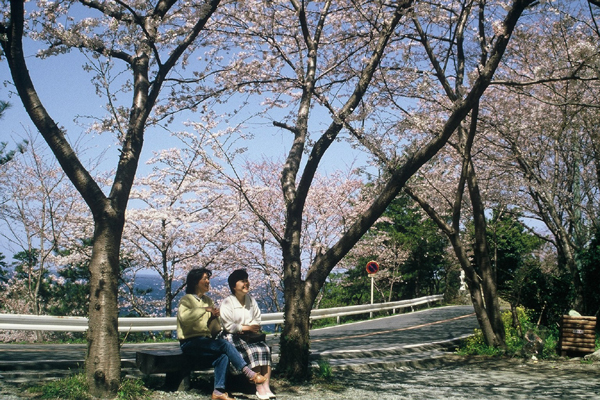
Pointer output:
x,y
75,388
324,372
133,389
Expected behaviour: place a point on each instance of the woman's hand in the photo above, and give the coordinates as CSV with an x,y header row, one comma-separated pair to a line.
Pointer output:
x,y
251,328
215,312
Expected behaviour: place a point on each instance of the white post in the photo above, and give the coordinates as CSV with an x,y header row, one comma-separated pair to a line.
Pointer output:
x,y
372,277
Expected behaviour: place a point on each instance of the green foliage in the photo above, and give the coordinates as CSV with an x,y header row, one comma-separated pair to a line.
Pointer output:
x,y
3,271
513,329
324,372
547,291
426,265
348,288
590,272
532,341
26,271
133,389
73,289
26,261
64,292
551,340
71,388
475,345
75,387
3,106
512,247
544,290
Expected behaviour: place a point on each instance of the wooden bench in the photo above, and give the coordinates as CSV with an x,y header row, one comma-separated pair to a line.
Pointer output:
x,y
173,363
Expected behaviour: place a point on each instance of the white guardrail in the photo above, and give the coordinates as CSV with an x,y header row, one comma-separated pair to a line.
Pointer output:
x,y
138,324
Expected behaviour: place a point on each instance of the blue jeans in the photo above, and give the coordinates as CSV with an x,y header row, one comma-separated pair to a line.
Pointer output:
x,y
219,350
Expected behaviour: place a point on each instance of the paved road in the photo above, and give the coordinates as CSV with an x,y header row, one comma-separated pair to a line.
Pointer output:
x,y
431,325
398,342
374,341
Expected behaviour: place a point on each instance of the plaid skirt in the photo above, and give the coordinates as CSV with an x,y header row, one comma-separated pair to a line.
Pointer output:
x,y
255,354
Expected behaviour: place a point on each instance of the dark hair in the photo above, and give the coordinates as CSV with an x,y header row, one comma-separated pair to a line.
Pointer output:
x,y
194,277
237,275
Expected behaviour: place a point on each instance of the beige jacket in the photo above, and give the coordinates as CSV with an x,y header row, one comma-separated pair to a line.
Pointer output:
x,y
192,317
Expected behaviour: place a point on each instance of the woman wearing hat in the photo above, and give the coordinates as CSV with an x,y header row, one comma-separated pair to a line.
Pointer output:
x,y
240,317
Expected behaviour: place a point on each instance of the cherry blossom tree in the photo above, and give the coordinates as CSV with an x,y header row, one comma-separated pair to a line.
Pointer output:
x,y
38,207
181,218
542,114
334,200
494,184
361,69
150,39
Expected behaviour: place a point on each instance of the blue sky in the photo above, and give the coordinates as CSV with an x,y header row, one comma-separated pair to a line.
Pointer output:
x,y
65,90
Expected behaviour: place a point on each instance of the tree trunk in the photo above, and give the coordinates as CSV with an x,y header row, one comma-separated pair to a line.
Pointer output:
x,y
474,285
295,336
482,258
474,282
103,362
553,219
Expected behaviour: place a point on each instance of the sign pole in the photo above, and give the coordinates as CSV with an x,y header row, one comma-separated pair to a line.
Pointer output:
x,y
372,278
372,268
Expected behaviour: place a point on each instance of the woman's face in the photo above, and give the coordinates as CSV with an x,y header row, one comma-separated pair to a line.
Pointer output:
x,y
203,284
242,286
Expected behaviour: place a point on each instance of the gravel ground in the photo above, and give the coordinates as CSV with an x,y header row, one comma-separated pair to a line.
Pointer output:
x,y
457,378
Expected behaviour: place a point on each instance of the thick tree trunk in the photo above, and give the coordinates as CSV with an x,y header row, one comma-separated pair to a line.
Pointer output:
x,y
103,362
295,337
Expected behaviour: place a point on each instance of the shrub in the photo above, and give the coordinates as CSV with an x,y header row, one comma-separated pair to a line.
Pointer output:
x,y
540,342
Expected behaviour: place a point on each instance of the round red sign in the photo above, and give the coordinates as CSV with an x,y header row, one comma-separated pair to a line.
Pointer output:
x,y
372,267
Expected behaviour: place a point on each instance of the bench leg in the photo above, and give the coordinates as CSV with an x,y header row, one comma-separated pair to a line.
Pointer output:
x,y
177,381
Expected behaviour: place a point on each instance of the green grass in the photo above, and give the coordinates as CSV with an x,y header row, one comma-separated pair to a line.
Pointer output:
x,y
324,372
72,388
75,388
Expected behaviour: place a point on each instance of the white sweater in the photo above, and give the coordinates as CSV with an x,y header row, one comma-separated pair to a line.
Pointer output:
x,y
234,315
